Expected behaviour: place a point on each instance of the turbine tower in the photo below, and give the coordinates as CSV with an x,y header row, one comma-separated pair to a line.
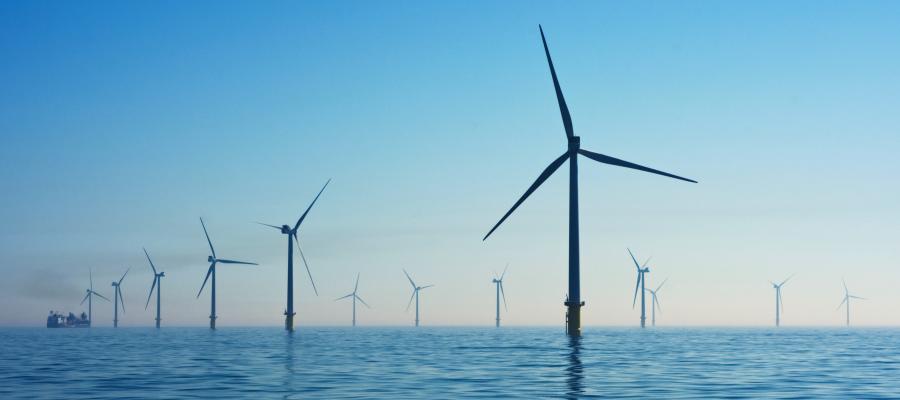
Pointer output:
x,y
355,298
847,297
499,283
654,302
415,294
157,283
89,297
118,299
213,260
779,305
573,300
292,237
641,279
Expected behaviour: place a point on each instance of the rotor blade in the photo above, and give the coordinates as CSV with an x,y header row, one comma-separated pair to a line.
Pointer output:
x,y
99,295
661,284
363,301
91,275
786,280
563,109
846,292
426,287
356,286
273,226
636,265
303,257
645,262
543,177
302,217
85,298
636,287
207,238
341,298
123,275
502,293
151,261
655,300
781,301
842,303
410,279
504,272
411,299
208,273
236,262
857,297
151,293
622,163
121,298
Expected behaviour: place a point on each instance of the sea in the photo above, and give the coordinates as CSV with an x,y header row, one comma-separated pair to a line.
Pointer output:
x,y
448,363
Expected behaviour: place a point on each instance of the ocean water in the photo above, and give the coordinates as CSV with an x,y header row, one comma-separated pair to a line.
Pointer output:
x,y
446,363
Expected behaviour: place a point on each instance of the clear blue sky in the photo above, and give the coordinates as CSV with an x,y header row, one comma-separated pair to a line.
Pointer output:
x,y
122,122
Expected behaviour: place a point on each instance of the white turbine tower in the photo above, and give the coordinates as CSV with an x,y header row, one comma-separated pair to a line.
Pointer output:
x,y
654,301
779,305
847,297
498,282
415,294
355,298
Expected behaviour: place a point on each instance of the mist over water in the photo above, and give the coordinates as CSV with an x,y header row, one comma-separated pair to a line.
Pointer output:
x,y
427,362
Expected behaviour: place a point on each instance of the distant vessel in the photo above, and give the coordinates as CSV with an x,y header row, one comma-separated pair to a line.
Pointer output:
x,y
57,320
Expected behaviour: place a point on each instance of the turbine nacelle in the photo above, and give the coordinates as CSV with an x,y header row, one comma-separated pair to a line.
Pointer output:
x,y
161,274
574,144
210,259
286,230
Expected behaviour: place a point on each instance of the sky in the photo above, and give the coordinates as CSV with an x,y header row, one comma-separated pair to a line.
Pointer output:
x,y
122,123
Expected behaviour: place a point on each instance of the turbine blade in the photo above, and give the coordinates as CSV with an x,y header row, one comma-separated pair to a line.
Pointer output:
x,y
123,275
504,272
858,298
121,298
211,249
410,279
645,262
846,292
426,287
303,257
341,298
636,287
661,285
786,280
208,273
842,303
356,286
151,261
537,183
655,300
502,293
151,292
363,301
411,299
622,163
302,217
99,295
636,265
91,276
273,226
563,109
85,298
236,262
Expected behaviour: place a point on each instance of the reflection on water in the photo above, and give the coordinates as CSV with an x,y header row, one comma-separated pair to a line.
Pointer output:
x,y
574,370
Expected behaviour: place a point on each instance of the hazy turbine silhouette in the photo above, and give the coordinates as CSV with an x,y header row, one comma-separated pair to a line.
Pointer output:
x,y
847,297
654,302
292,237
157,283
641,279
498,282
415,294
355,298
779,305
89,297
573,301
212,271
118,299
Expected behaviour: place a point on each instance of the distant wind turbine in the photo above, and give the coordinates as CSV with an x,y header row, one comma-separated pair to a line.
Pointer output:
x,y
292,237
415,294
355,297
641,279
89,297
779,305
499,283
654,301
847,297
573,300
212,271
157,283
118,299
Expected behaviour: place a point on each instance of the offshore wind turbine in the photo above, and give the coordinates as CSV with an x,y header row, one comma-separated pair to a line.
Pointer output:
x,y
213,260
292,237
573,300
118,299
415,294
847,297
89,297
654,302
157,283
779,305
641,279
499,283
355,298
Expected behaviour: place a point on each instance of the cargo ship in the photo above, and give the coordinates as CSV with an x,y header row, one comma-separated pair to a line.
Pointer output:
x,y
58,320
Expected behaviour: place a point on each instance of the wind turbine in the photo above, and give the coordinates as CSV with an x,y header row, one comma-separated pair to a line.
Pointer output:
x,y
641,279
118,299
654,301
355,298
573,300
415,294
499,283
292,237
779,305
213,260
89,297
847,297
157,283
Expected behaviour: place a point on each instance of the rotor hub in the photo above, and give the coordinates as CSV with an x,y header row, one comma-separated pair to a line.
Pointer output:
x,y
574,143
